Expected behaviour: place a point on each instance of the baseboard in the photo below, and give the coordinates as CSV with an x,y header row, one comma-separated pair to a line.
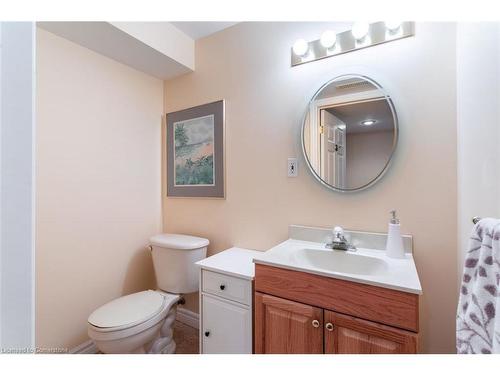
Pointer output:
x,y
188,317
88,347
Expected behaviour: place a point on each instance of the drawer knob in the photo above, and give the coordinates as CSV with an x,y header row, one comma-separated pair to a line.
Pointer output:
x,y
315,323
329,326
207,333
222,287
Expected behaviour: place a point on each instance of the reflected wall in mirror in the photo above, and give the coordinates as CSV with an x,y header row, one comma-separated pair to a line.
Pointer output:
x,y
350,132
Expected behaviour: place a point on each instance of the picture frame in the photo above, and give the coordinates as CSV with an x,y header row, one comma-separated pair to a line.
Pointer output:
x,y
196,151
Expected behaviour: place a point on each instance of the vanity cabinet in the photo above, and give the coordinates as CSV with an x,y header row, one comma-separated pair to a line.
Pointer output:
x,y
345,334
226,326
300,313
289,327
226,302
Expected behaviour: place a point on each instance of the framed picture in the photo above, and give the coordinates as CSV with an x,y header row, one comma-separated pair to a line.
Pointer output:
x,y
195,152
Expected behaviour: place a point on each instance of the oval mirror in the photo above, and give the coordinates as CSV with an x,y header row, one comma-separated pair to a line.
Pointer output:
x,y
350,132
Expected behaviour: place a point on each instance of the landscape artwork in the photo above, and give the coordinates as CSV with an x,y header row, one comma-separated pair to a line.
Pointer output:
x,y
194,152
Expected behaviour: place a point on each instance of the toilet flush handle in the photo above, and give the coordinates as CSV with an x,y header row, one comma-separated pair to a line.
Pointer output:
x,y
150,248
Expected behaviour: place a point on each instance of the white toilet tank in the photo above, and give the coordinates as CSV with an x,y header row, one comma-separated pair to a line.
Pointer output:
x,y
174,258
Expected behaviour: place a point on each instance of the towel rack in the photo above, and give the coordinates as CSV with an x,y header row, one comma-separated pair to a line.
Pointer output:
x,y
476,219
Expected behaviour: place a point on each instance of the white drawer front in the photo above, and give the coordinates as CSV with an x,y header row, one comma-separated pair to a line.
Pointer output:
x,y
226,328
232,288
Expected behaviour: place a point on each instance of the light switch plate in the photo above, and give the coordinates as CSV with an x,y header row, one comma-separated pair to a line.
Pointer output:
x,y
292,167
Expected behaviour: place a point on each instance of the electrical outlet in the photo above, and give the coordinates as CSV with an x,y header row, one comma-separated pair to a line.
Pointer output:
x,y
292,167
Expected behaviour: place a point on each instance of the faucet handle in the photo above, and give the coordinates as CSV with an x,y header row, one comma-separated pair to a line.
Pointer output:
x,y
338,232
339,242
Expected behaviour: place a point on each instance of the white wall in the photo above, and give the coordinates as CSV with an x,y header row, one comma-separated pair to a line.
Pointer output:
x,y
98,185
478,118
16,190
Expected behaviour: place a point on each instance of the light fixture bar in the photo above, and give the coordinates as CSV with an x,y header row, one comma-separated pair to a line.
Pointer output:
x,y
345,42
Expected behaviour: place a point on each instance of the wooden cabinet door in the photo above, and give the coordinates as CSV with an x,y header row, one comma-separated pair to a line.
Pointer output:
x,y
287,327
226,327
348,335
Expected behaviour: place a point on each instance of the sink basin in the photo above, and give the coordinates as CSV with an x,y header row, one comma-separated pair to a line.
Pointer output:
x,y
365,265
340,261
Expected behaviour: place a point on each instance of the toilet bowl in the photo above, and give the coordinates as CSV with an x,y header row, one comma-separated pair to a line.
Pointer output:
x,y
142,322
129,323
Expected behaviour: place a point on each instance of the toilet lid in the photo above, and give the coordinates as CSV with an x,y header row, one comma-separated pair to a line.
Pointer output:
x,y
128,310
178,241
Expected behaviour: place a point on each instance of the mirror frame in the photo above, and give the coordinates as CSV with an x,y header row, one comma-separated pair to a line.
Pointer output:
x,y
394,143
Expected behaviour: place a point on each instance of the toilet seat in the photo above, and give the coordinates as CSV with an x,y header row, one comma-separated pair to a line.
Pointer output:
x,y
130,314
128,311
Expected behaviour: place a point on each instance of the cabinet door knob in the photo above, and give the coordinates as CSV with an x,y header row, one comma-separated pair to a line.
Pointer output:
x,y
329,326
207,333
315,323
222,287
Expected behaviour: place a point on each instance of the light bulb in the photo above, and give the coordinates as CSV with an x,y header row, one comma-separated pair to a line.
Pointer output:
x,y
328,39
393,25
368,122
300,47
360,30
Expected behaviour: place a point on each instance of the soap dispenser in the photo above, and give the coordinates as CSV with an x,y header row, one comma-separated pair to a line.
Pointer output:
x,y
394,247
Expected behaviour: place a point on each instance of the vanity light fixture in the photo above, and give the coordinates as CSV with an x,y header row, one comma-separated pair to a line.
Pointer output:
x,y
393,26
368,122
362,35
328,39
300,47
360,30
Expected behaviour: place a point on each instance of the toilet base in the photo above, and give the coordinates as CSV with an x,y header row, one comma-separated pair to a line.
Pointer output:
x,y
164,343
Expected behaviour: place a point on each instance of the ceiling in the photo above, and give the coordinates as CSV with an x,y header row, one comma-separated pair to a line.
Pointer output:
x,y
120,45
353,114
161,49
347,86
197,30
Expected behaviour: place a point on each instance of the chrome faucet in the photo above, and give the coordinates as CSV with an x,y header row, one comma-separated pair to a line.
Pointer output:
x,y
339,242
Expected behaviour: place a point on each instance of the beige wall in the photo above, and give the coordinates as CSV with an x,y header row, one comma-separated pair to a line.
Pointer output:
x,y
248,65
98,185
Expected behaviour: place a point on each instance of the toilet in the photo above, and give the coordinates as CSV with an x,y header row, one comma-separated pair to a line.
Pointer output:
x,y
142,322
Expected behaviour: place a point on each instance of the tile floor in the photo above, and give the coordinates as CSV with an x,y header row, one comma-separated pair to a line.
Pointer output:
x,y
186,339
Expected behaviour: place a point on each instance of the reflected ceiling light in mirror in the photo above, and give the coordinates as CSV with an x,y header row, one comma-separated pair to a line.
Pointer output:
x,y
328,39
300,47
368,122
360,30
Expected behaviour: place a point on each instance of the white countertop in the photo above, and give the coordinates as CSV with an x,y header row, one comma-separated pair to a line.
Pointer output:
x,y
398,274
235,261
